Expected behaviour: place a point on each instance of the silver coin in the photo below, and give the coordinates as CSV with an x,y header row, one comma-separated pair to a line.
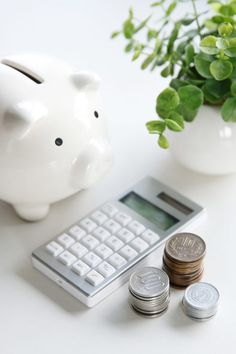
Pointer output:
x,y
144,314
149,282
201,296
198,317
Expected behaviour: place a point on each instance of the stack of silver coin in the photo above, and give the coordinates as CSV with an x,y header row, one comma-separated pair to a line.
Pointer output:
x,y
149,291
200,301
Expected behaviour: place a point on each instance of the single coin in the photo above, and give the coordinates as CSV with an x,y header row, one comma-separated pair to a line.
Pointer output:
x,y
185,247
202,296
149,282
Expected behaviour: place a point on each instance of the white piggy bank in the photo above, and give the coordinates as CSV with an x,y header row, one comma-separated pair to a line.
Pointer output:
x,y
52,133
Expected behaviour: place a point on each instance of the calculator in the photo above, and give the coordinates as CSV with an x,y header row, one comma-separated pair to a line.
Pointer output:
x,y
96,255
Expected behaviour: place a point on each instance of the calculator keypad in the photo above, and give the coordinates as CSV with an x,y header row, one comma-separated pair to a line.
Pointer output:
x,y
101,244
65,240
67,258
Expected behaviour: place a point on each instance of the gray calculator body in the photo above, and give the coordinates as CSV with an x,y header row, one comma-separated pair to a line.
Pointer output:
x,y
159,210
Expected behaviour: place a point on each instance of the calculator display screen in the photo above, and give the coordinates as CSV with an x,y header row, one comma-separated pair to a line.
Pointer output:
x,y
149,211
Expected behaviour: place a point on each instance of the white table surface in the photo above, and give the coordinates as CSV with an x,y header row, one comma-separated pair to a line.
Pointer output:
x,y
36,316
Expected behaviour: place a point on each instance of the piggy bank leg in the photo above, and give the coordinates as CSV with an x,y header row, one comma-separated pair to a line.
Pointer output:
x,y
32,212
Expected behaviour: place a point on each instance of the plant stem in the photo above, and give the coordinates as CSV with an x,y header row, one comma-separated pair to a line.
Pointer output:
x,y
196,16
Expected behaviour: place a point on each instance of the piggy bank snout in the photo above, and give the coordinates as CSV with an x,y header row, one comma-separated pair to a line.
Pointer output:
x,y
92,163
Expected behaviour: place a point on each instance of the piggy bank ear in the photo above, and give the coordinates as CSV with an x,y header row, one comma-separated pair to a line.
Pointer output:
x,y
19,118
86,80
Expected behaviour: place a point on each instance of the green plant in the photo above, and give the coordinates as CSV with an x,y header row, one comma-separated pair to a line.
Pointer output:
x,y
199,53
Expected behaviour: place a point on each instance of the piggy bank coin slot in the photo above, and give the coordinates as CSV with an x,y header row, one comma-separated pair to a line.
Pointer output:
x,y
37,80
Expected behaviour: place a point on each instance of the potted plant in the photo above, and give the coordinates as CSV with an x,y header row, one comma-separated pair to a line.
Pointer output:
x,y
198,53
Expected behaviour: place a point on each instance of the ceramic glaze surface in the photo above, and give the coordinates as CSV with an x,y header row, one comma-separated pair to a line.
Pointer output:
x,y
52,133
207,145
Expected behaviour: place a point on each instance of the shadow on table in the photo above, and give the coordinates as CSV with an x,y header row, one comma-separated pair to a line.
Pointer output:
x,y
122,314
175,316
8,215
51,290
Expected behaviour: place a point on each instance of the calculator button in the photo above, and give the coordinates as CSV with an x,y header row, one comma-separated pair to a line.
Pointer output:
x,y
92,259
67,258
101,233
123,218
77,232
103,251
65,240
54,248
125,235
78,250
90,242
80,268
114,243
94,278
139,244
117,261
99,217
136,227
128,252
109,209
112,226
105,269
88,224
150,237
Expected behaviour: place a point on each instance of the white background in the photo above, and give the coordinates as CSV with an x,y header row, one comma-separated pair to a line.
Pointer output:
x,y
36,316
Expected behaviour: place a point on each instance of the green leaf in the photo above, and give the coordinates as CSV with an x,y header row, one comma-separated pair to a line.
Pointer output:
x,y
131,13
215,91
142,24
163,142
221,69
208,45
167,101
231,52
189,54
231,49
233,74
209,98
233,88
156,126
187,21
202,64
178,118
225,29
171,8
177,83
129,47
136,54
222,43
157,3
115,34
182,46
226,10
166,71
228,110
173,37
187,113
148,61
128,29
218,19
172,125
152,33
191,97
210,25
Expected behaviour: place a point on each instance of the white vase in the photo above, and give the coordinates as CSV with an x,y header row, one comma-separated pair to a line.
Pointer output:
x,y
206,145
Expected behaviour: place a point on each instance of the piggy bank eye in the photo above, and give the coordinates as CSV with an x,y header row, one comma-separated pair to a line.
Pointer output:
x,y
96,114
58,141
